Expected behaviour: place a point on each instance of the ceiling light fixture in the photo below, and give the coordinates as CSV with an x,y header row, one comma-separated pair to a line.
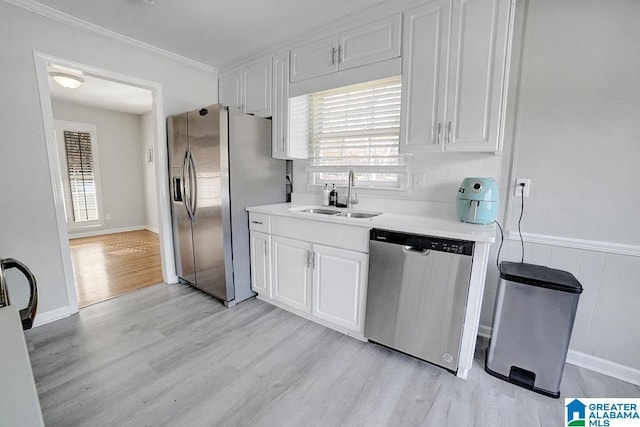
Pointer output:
x,y
69,81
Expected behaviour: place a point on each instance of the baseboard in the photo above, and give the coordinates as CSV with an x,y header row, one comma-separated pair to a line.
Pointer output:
x,y
152,229
587,361
51,316
103,231
602,366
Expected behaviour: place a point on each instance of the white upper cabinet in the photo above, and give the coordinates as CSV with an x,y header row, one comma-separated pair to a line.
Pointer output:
x,y
229,90
248,89
256,85
366,44
369,43
314,59
454,60
282,145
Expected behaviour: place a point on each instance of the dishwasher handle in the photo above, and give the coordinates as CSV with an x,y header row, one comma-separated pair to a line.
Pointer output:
x,y
412,250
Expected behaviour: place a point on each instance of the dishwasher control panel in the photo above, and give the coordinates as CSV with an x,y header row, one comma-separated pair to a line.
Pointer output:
x,y
460,247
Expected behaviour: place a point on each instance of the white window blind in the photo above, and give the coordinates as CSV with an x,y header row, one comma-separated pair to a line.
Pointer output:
x,y
357,126
81,172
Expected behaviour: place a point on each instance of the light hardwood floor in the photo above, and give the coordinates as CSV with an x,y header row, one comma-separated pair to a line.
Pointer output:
x,y
171,355
113,264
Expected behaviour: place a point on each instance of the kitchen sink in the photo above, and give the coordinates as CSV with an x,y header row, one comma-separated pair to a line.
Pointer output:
x,y
320,211
359,214
344,214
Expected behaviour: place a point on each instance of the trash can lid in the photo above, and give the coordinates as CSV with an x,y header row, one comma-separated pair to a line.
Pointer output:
x,y
538,275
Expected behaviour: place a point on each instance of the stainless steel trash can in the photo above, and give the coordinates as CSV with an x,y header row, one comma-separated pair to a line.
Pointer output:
x,y
534,314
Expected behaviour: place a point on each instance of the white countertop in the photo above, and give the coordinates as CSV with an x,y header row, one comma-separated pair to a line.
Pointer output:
x,y
19,404
432,226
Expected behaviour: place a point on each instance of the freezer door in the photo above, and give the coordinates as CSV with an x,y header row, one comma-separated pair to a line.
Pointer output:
x,y
182,235
205,171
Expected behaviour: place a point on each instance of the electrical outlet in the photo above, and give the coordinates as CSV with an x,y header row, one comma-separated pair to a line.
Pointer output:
x,y
418,181
518,191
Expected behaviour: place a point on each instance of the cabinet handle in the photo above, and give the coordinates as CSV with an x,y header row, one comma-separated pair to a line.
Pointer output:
x,y
313,260
340,54
333,56
439,133
309,259
256,222
449,140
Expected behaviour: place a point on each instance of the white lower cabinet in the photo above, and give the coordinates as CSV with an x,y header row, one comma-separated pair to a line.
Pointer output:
x,y
291,272
323,283
339,286
260,252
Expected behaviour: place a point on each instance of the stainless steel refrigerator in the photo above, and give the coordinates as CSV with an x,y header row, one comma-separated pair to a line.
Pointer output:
x,y
220,163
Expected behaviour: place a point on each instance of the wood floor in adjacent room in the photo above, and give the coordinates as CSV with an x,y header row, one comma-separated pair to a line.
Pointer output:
x,y
171,355
113,264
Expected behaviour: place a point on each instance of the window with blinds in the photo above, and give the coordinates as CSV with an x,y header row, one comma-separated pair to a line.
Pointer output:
x,y
356,126
81,173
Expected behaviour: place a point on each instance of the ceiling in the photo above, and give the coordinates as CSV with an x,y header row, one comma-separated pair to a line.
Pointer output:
x,y
214,32
100,93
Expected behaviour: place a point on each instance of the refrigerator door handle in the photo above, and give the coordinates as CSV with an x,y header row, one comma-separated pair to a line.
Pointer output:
x,y
193,185
185,184
28,314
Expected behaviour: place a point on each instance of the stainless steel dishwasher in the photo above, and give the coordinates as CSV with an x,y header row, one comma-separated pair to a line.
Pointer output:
x,y
417,294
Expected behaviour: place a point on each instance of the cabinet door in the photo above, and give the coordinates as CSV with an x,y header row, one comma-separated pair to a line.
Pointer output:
x,y
280,119
256,88
477,63
260,253
291,272
369,43
229,90
314,59
340,286
424,77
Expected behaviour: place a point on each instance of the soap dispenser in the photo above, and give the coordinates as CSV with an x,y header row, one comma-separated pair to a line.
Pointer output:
x,y
325,195
333,196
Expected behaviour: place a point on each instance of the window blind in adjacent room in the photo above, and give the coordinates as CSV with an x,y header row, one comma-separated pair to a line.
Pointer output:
x,y
82,183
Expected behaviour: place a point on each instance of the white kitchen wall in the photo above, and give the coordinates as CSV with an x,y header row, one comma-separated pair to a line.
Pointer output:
x,y
149,174
120,163
577,137
28,230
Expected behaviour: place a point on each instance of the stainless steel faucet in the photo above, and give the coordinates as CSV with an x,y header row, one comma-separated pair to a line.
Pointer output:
x,y
350,183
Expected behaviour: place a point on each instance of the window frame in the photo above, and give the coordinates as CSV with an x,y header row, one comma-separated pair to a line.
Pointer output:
x,y
314,171
61,127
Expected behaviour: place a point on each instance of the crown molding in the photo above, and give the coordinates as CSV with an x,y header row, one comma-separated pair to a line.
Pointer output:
x,y
66,19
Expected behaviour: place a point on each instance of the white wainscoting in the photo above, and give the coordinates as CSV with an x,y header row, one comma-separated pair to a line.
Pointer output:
x,y
606,333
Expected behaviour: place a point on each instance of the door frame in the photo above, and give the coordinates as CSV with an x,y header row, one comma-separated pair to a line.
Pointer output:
x,y
160,165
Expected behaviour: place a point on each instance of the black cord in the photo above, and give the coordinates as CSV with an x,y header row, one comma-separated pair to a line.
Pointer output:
x,y
520,219
500,247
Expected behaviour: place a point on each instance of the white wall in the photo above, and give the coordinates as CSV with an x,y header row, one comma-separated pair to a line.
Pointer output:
x,y
577,136
28,230
120,163
149,174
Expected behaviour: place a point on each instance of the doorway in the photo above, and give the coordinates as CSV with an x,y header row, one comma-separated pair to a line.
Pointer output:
x,y
109,186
